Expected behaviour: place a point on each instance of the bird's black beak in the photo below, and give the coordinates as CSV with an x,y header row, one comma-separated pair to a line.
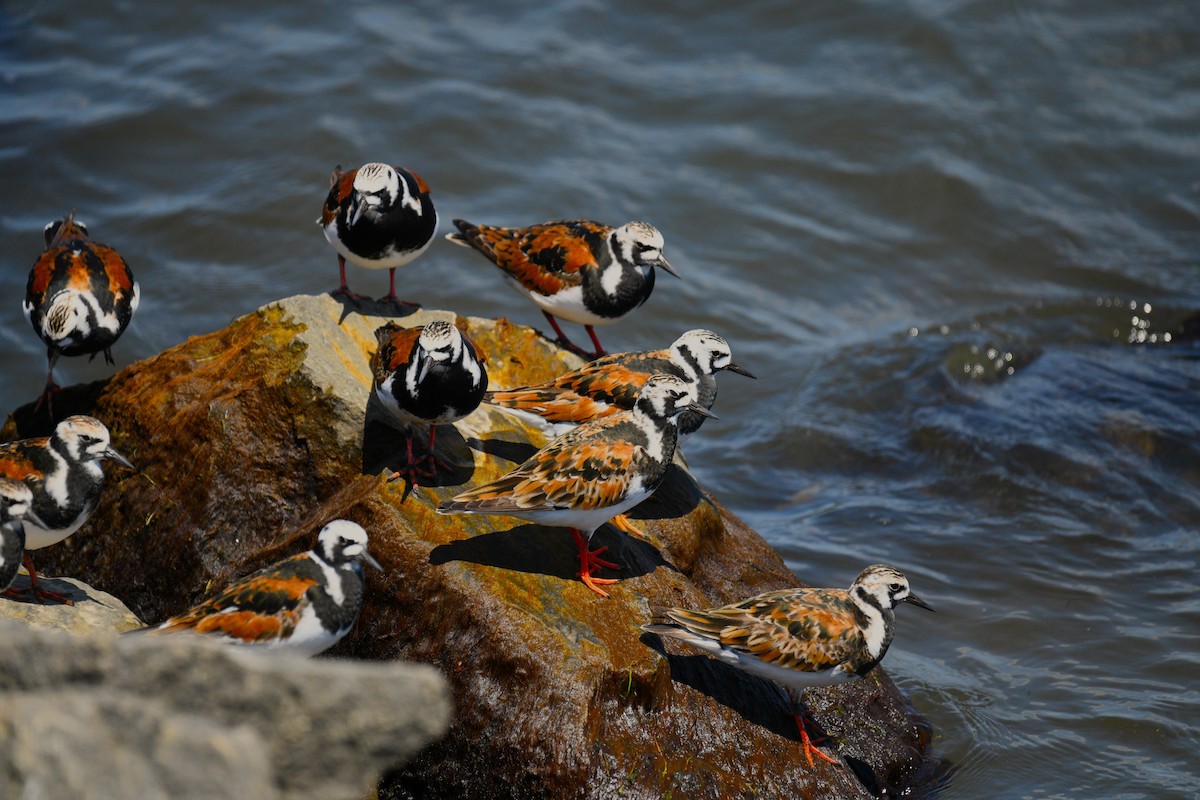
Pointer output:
x,y
701,410
110,453
661,263
370,561
918,602
35,519
740,370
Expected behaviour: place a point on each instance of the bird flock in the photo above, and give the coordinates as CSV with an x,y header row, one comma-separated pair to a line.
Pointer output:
x,y
619,419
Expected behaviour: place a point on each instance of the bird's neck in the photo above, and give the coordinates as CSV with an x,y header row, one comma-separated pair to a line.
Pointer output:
x,y
661,434
877,622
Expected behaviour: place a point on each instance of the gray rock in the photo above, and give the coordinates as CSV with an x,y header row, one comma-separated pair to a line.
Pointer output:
x,y
174,717
94,611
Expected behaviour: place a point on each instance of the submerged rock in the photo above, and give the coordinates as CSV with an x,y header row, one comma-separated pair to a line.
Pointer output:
x,y
250,438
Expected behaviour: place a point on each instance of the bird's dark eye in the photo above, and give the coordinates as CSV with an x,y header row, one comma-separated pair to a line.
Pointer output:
x,y
894,587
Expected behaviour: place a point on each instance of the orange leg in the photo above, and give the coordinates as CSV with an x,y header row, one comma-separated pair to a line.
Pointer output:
x,y
427,466
802,723
39,594
344,290
589,559
390,298
595,341
567,343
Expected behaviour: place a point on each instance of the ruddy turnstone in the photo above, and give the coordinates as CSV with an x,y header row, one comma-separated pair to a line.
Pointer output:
x,y
80,297
379,217
66,478
304,604
16,501
611,384
590,474
429,375
799,637
575,269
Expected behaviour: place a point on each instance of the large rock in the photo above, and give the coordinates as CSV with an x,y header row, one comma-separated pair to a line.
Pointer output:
x,y
250,438
98,716
93,611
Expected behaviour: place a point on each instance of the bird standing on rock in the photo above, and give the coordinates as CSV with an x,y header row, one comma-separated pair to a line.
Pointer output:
x,y
378,216
799,637
64,473
591,474
431,375
79,299
304,604
611,384
574,269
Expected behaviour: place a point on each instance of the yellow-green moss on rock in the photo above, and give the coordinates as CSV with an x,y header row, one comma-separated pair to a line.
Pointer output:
x,y
250,438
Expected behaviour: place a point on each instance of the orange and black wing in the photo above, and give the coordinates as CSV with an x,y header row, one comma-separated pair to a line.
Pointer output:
x,y
583,469
16,463
422,186
598,389
262,607
341,185
73,261
396,345
804,629
617,379
545,258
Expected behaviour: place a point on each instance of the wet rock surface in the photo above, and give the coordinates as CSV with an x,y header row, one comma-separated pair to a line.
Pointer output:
x,y
249,439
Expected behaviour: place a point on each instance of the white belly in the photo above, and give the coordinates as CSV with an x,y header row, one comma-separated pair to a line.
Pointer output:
x,y
567,304
36,538
586,520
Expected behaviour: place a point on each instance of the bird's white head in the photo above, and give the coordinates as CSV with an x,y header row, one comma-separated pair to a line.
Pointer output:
x,y
884,587
440,340
708,351
86,439
377,188
15,499
344,542
667,396
641,245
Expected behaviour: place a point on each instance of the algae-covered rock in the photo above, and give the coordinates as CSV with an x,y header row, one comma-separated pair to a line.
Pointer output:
x,y
250,438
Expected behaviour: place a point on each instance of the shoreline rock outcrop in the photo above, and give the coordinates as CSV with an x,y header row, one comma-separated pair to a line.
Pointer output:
x,y
98,716
250,438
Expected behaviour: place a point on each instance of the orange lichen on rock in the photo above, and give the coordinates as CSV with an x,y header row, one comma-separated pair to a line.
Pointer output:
x,y
249,438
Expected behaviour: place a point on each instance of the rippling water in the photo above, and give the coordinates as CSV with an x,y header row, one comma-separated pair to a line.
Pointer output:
x,y
957,241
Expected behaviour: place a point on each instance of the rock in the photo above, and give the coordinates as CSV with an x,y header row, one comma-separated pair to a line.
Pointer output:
x,y
98,716
250,438
94,610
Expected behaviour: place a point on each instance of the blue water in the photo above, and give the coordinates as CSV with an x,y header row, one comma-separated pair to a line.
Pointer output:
x,y
957,241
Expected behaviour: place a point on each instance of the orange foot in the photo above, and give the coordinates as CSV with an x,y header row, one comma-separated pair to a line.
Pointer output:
x,y
426,466
623,524
809,744
39,593
396,303
353,297
589,559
